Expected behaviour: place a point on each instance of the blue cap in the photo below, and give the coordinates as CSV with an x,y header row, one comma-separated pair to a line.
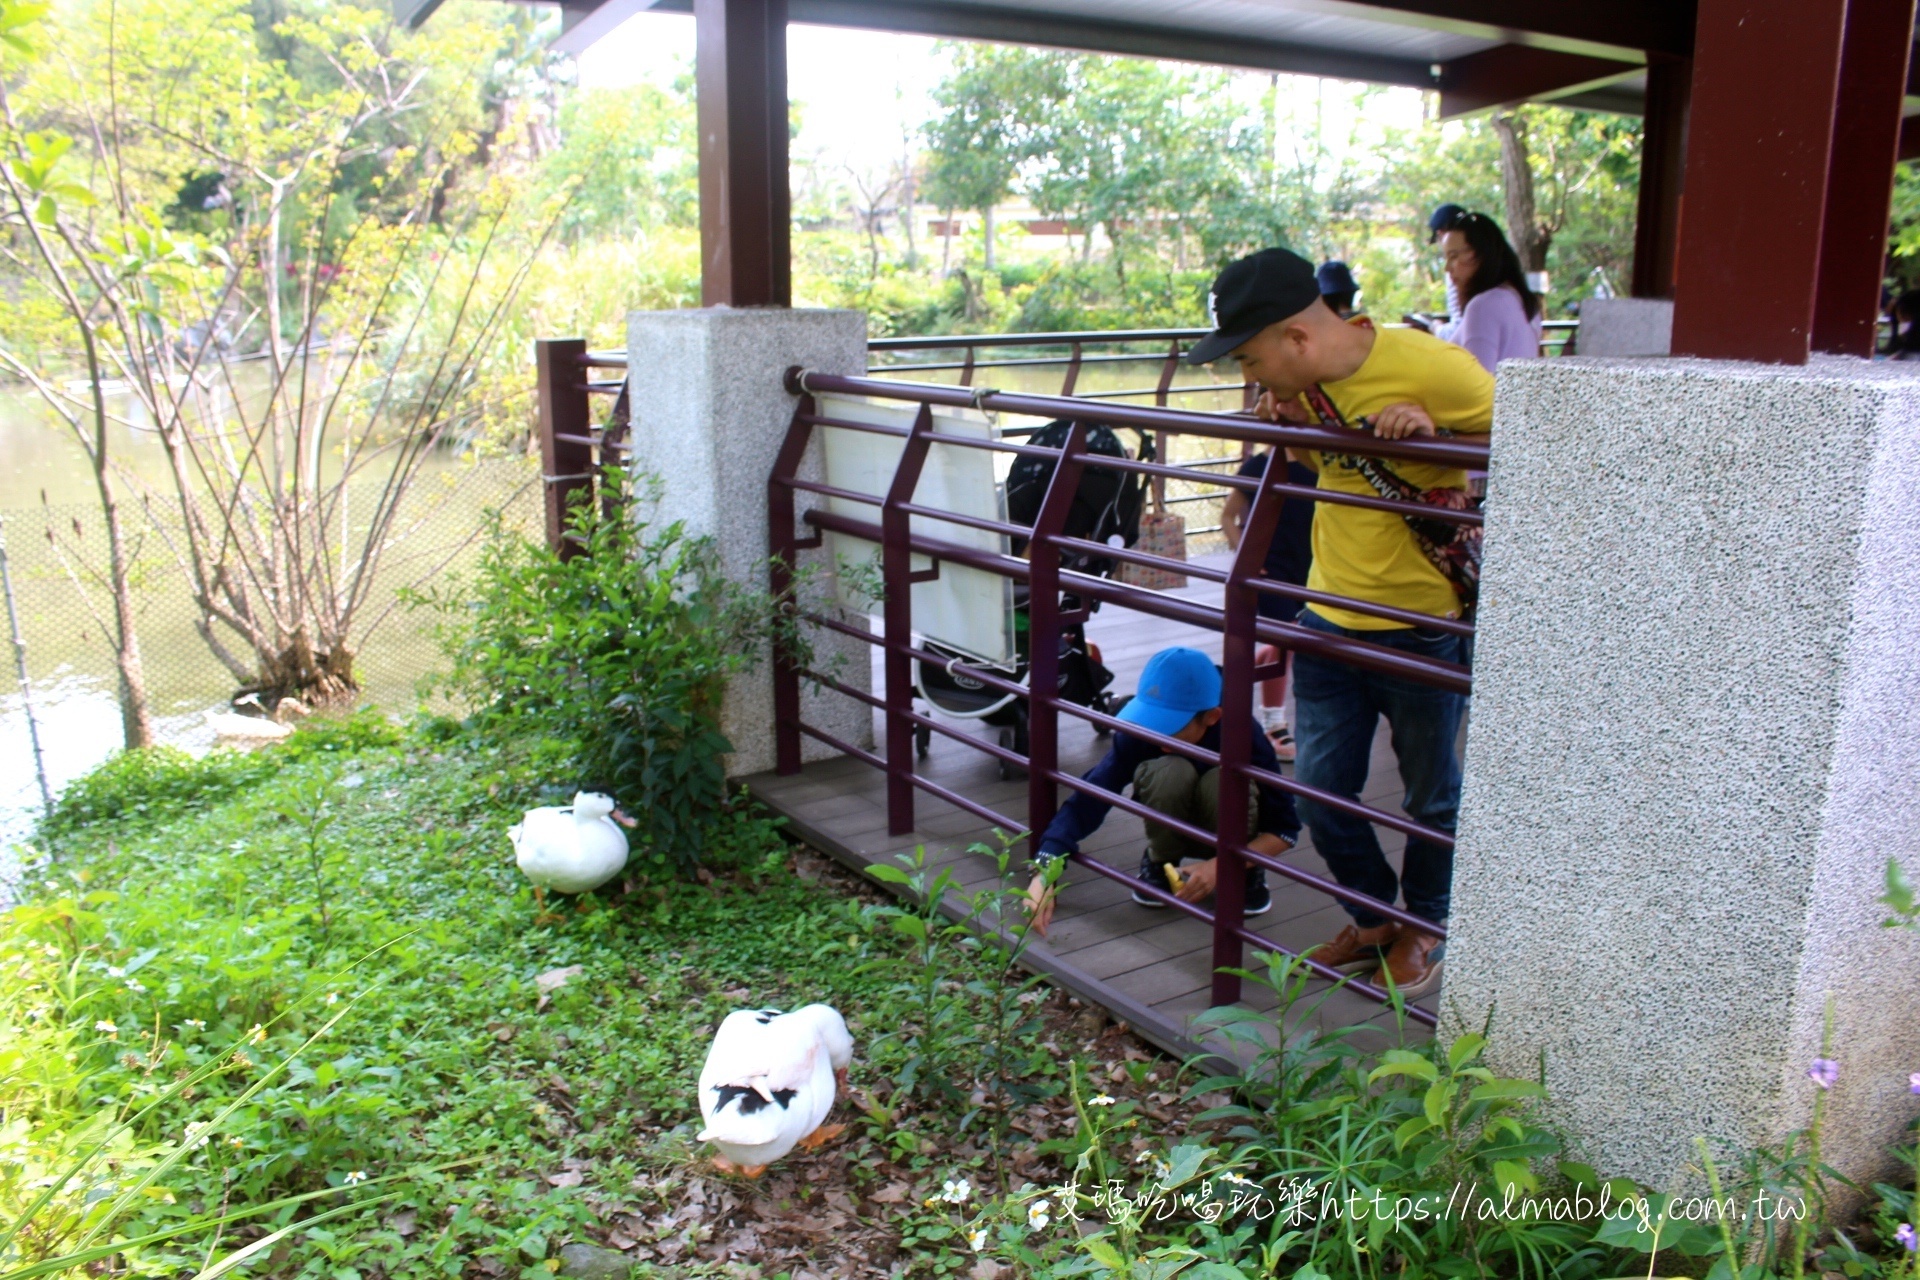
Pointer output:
x,y
1334,277
1177,685
1444,219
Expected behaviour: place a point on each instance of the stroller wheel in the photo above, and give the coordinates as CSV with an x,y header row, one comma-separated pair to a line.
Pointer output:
x,y
922,740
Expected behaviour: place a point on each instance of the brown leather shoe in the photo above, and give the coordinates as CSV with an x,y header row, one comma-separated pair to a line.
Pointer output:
x,y
1412,964
1355,948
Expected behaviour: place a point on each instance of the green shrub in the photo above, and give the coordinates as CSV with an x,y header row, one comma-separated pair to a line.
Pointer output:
x,y
138,789
615,660
135,790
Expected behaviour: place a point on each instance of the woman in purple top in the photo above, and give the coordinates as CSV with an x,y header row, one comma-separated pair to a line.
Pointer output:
x,y
1500,316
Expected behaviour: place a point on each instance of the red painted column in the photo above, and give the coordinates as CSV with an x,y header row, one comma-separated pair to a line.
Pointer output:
x,y
740,68
1663,154
1765,76
1866,142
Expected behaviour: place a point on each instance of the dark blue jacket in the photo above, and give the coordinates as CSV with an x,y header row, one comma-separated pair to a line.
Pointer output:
x,y
1082,814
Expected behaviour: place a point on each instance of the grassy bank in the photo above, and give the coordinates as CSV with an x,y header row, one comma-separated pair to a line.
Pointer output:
x,y
337,926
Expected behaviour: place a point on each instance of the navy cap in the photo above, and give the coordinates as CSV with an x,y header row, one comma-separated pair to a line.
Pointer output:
x,y
1249,294
1333,277
1445,218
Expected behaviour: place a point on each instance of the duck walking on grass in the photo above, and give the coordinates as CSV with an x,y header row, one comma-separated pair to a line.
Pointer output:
x,y
571,848
769,1084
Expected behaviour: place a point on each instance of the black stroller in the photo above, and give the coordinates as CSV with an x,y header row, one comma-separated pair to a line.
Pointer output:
x,y
1107,504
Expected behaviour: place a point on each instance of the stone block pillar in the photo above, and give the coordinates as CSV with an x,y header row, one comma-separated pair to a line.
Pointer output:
x,y
710,411
1695,744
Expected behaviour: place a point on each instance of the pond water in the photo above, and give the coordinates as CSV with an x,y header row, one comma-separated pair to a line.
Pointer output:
x,y
45,481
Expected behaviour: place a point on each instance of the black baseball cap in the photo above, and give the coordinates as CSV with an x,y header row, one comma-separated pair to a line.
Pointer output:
x,y
1445,218
1333,277
1249,294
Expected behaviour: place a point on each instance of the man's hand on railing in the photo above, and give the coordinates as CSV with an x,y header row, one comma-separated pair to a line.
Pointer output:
x,y
1398,421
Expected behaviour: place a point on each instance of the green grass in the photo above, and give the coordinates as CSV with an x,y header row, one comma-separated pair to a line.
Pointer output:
x,y
189,932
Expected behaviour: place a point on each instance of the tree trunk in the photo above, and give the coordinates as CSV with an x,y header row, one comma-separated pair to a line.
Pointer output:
x,y
987,230
906,209
946,244
1530,239
136,721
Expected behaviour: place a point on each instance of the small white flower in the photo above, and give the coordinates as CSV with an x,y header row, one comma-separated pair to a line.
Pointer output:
x,y
113,1032
1161,1169
135,985
256,1035
196,1023
333,997
236,1142
1100,1100
358,1175
1143,1157
1037,1218
956,1192
977,1239
195,1135
115,971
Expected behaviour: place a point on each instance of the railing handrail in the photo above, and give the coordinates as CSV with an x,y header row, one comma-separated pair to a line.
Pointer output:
x,y
1449,453
1085,336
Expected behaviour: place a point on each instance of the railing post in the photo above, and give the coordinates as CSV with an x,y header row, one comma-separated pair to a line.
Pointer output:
x,y
1236,729
1168,367
896,566
783,552
565,467
1043,637
1073,372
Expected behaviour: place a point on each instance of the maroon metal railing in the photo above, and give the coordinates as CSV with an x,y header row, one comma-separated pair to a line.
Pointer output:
x,y
575,454
1043,569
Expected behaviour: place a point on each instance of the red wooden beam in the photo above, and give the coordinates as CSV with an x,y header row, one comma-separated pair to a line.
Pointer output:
x,y
1512,73
740,68
1758,142
1866,144
1663,157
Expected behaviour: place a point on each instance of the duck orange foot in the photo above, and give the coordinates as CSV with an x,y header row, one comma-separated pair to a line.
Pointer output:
x,y
821,1137
725,1165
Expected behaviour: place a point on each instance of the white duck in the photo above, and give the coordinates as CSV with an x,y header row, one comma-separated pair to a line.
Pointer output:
x,y
769,1084
572,848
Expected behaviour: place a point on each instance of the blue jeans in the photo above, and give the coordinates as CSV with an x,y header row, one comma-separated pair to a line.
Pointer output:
x,y
1336,707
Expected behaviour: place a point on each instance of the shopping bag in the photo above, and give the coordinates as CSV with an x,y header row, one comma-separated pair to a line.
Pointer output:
x,y
1161,534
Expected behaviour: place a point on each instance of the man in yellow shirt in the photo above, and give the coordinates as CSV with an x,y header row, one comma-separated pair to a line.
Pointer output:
x,y
1268,315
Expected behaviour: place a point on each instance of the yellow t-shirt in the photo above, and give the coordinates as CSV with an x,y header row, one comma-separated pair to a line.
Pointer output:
x,y
1371,555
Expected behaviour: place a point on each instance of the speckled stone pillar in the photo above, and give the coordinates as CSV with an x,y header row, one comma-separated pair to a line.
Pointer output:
x,y
1695,744
709,414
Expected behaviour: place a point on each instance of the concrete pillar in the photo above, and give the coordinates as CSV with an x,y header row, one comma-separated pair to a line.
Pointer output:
x,y
709,414
1694,747
1625,327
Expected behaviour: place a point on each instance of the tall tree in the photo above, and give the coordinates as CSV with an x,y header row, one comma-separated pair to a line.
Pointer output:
x,y
984,112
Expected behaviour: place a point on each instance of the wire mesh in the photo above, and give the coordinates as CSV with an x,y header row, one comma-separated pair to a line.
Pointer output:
x,y
57,554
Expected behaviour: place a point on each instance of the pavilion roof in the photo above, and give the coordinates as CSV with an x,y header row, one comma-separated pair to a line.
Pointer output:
x,y
1477,53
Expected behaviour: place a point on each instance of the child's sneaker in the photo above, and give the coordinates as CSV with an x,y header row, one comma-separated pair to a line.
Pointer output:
x,y
1282,740
1259,897
1152,871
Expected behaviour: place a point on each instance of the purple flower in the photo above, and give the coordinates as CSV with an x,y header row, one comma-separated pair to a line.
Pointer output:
x,y
1907,1239
1824,1072
1913,1083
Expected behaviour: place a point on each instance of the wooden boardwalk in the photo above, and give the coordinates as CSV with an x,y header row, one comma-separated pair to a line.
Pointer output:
x,y
1150,968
